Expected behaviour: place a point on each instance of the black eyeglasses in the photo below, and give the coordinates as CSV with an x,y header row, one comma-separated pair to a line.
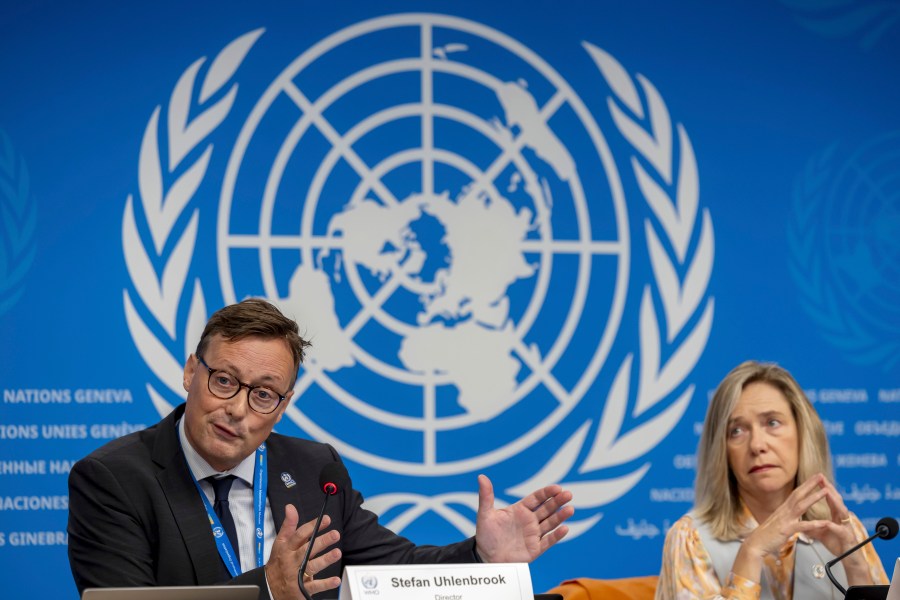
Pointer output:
x,y
224,385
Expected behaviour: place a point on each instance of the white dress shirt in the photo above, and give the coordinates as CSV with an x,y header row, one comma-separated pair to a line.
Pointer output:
x,y
240,501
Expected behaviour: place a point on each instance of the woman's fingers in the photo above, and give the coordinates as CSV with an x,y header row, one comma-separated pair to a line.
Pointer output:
x,y
837,533
840,514
839,511
785,521
834,536
815,481
800,504
816,528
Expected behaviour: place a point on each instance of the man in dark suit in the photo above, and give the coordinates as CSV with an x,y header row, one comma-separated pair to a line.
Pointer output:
x,y
197,499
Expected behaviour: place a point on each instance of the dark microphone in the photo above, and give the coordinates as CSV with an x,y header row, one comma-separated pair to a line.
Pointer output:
x,y
333,478
886,529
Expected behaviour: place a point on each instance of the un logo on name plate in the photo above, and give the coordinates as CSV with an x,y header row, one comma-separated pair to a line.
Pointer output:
x,y
441,212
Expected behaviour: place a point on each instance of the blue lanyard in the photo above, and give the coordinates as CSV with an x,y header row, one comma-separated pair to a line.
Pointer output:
x,y
223,544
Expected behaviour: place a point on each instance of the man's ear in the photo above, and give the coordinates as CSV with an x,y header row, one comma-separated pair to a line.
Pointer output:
x,y
190,367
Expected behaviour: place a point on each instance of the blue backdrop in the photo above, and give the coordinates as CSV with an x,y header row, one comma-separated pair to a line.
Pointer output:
x,y
526,240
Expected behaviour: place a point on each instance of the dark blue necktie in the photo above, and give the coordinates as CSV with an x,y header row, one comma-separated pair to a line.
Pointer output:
x,y
221,487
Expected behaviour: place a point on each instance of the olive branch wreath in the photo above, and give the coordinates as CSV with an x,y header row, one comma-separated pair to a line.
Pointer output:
x,y
681,297
868,20
161,207
18,223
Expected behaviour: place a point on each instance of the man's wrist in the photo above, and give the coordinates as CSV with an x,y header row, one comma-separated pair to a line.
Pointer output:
x,y
266,577
477,556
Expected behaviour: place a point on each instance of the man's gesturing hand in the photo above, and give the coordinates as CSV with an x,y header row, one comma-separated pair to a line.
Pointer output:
x,y
287,554
523,531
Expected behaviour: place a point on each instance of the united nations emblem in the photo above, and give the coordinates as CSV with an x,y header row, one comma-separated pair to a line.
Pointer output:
x,y
844,237
443,214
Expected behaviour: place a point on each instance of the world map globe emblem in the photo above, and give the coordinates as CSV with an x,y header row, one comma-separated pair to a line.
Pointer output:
x,y
845,249
862,226
443,216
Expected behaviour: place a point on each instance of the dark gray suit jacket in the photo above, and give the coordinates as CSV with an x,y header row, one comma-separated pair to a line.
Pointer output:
x,y
136,519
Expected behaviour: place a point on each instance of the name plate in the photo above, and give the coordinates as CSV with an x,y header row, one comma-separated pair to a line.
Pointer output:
x,y
477,581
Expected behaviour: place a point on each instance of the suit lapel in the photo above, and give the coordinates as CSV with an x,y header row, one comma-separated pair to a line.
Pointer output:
x,y
187,507
185,503
281,492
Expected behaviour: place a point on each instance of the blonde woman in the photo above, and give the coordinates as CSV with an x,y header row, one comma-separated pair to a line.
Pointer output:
x,y
767,516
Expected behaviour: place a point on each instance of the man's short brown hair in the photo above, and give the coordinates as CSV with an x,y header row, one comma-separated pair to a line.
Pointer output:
x,y
254,317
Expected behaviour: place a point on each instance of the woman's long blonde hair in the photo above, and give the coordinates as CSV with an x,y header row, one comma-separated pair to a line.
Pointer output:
x,y
717,502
